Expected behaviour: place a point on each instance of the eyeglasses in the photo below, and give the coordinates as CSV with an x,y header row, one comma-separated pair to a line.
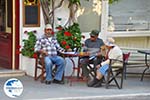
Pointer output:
x,y
48,29
92,36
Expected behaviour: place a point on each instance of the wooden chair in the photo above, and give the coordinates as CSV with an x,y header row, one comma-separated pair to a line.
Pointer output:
x,y
40,68
116,70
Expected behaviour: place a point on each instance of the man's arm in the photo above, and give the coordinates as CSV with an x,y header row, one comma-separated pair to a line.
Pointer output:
x,y
37,46
59,48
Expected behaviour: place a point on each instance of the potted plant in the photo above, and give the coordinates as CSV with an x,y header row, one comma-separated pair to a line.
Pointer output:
x,y
28,48
28,58
69,37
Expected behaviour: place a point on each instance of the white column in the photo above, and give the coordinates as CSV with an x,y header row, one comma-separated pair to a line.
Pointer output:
x,y
104,19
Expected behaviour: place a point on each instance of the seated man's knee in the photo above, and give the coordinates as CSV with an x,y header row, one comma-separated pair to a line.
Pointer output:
x,y
47,61
61,61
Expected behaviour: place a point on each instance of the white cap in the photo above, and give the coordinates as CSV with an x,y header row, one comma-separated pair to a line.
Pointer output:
x,y
48,26
110,42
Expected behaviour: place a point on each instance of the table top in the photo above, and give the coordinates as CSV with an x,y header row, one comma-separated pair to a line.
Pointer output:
x,y
75,54
144,51
70,54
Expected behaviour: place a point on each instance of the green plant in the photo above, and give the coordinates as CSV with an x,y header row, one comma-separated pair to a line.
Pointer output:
x,y
112,1
69,37
28,48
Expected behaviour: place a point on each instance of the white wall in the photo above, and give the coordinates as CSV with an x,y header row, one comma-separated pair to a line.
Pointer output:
x,y
25,64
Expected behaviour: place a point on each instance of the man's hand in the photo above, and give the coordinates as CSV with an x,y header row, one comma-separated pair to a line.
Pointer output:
x,y
87,54
98,54
98,66
44,52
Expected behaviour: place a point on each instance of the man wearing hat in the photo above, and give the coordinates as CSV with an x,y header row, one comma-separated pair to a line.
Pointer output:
x,y
92,53
49,46
113,52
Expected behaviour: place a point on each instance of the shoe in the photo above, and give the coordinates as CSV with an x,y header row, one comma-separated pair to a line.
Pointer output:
x,y
103,79
58,82
98,84
92,83
47,82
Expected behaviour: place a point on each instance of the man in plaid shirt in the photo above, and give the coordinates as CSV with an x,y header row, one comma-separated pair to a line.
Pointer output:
x,y
49,46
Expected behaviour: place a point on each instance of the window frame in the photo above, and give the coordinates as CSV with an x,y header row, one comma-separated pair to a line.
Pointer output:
x,y
38,15
127,33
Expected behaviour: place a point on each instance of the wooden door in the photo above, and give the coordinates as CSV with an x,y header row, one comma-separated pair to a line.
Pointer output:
x,y
5,51
6,33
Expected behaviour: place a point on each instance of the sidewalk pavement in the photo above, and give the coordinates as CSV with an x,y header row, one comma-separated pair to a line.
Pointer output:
x,y
35,90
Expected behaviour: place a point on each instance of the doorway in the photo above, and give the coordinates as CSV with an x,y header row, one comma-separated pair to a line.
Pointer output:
x,y
9,28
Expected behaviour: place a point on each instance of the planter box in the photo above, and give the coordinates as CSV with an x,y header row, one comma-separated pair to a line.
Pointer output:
x,y
28,65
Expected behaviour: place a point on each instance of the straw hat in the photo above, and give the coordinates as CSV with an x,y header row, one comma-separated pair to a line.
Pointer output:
x,y
110,42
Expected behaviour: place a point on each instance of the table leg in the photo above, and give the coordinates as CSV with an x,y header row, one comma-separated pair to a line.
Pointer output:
x,y
146,62
78,77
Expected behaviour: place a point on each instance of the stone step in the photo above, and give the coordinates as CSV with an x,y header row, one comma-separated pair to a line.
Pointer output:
x,y
11,73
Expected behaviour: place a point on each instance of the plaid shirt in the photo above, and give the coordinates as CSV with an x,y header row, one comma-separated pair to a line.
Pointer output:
x,y
51,46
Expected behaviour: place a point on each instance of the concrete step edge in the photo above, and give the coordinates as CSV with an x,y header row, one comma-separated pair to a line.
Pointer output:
x,y
12,73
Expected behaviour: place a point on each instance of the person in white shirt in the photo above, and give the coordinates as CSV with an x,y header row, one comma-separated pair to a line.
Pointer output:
x,y
113,52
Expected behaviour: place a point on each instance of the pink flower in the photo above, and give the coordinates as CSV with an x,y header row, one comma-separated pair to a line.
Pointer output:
x,y
34,31
83,36
25,32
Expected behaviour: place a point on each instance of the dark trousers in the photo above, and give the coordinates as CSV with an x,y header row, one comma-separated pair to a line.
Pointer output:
x,y
84,61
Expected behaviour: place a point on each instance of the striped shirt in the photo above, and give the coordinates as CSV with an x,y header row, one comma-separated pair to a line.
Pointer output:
x,y
50,45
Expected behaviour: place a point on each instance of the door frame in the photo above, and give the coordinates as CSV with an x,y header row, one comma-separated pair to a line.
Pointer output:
x,y
15,33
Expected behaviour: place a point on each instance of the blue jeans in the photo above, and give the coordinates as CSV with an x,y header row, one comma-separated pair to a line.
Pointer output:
x,y
60,64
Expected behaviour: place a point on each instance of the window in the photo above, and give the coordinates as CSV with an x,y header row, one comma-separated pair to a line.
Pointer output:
x,y
31,13
5,15
129,16
89,15
2,15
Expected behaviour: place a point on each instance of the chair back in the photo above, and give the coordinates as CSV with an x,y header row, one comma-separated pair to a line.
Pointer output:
x,y
126,57
125,61
119,71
